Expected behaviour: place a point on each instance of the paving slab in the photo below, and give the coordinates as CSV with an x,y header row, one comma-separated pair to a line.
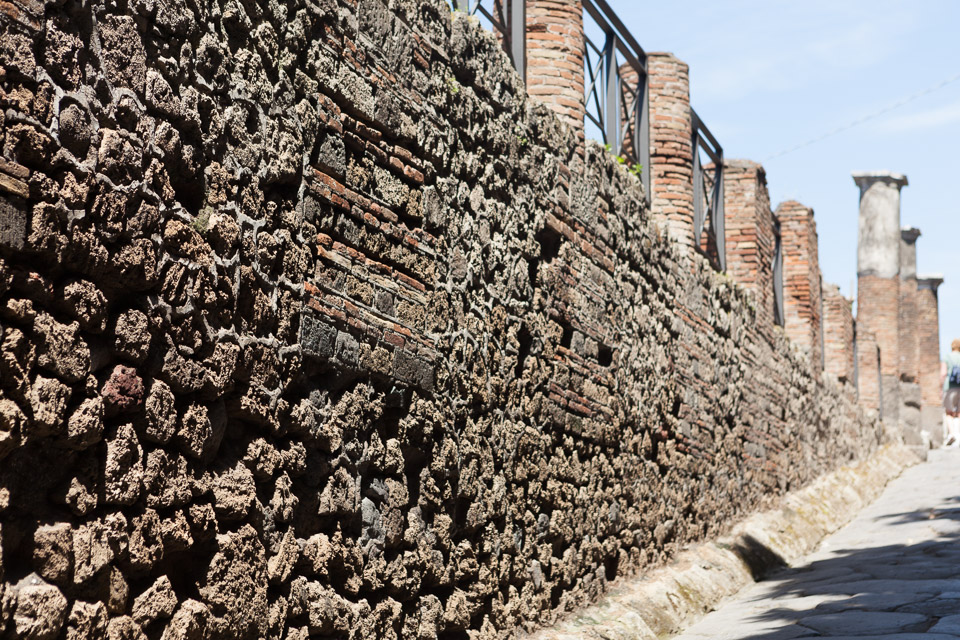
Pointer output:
x,y
948,624
892,573
856,622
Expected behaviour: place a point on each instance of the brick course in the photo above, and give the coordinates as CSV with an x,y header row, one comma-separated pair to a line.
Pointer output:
x,y
928,341
749,225
801,279
909,336
869,378
671,153
838,331
878,312
555,54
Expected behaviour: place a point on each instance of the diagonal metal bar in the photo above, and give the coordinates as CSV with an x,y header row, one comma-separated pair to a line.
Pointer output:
x,y
594,75
611,114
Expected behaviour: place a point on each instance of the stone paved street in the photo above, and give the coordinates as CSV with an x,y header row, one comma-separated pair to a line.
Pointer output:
x,y
893,572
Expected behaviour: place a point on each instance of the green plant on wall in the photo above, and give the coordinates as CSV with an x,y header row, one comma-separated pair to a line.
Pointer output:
x,y
201,221
635,169
453,87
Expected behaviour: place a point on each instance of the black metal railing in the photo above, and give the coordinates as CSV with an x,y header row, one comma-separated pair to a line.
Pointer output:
x,y
708,189
617,102
778,317
508,19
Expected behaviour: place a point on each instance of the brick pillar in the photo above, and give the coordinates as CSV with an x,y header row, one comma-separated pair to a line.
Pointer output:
x,y
928,355
838,335
749,226
555,73
801,279
869,361
671,152
910,402
878,275
909,367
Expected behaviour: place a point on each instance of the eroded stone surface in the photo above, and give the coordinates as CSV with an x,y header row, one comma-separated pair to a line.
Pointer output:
x,y
308,309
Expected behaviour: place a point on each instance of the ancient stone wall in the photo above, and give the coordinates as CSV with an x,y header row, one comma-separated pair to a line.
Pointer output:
x,y
312,324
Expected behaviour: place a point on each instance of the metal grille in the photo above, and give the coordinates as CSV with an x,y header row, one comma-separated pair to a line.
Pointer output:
x,y
777,276
708,189
508,19
615,102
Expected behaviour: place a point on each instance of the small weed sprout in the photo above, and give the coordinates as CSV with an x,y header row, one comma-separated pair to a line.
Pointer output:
x,y
452,85
635,168
201,222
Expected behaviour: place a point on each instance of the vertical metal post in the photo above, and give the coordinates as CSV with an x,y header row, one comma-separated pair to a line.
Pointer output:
x,y
642,136
719,223
461,5
778,313
697,189
517,15
611,116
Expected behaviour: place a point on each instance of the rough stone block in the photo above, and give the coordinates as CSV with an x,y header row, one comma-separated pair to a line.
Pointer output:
x,y
13,223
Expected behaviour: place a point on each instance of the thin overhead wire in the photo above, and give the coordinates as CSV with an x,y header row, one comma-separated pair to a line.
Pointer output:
x,y
871,116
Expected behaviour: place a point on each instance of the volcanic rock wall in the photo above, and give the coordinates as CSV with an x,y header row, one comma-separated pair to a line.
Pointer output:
x,y
311,324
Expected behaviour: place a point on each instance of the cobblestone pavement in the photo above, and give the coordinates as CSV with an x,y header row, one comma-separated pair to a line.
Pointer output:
x,y
892,573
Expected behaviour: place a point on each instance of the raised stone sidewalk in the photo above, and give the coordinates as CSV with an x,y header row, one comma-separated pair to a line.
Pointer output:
x,y
893,572
675,597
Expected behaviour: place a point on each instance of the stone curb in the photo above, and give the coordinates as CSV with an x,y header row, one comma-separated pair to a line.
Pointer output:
x,y
671,598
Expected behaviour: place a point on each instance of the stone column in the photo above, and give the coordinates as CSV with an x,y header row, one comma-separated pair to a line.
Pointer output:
x,y
749,233
878,275
909,368
928,355
555,50
801,279
909,371
671,151
869,361
838,335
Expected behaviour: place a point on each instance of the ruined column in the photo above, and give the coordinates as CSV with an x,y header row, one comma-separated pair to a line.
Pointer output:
x,y
928,355
671,150
801,279
909,371
878,275
749,233
869,361
555,50
838,335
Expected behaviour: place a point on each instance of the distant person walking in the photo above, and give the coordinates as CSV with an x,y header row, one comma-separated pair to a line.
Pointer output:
x,y
950,373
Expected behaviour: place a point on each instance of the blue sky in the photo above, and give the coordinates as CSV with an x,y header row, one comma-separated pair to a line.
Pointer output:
x,y
767,76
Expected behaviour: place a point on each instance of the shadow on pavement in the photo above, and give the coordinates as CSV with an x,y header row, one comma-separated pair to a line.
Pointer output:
x,y
911,590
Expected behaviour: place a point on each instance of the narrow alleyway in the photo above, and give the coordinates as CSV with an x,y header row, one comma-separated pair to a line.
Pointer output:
x,y
893,572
